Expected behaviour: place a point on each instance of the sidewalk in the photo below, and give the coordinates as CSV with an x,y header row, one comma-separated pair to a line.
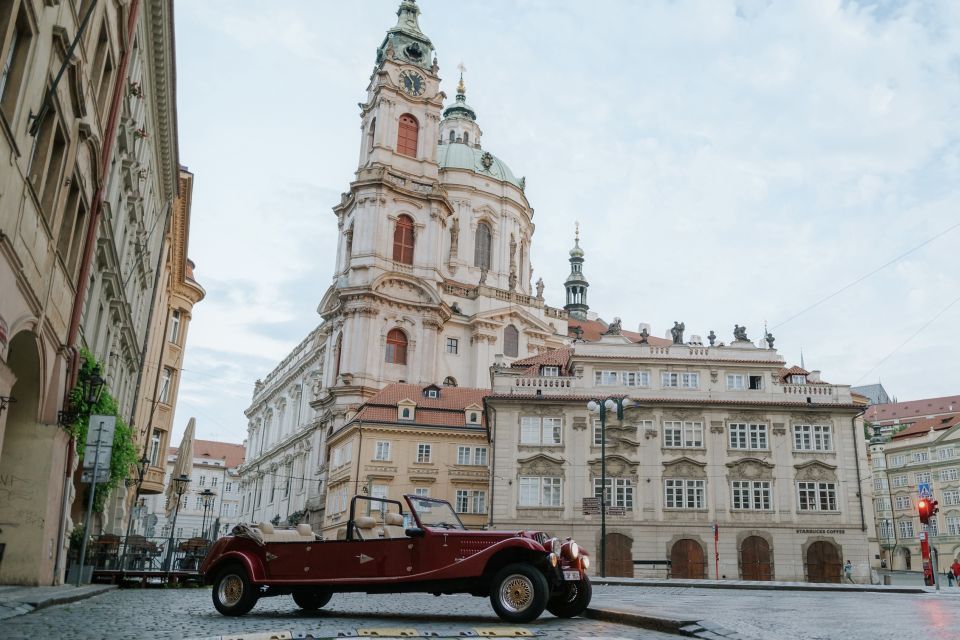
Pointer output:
x,y
770,585
16,600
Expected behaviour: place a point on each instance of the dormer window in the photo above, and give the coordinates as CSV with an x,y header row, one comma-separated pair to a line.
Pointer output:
x,y
433,392
472,414
549,371
798,379
406,410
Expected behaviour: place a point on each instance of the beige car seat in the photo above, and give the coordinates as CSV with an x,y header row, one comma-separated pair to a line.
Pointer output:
x,y
365,528
303,533
393,526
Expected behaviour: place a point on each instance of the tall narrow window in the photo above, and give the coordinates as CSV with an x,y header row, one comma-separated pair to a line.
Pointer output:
x,y
13,57
371,133
511,341
396,347
481,254
165,380
47,163
407,135
175,326
403,240
155,448
337,351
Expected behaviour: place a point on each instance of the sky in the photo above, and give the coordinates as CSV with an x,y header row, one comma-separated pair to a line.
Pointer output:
x,y
790,164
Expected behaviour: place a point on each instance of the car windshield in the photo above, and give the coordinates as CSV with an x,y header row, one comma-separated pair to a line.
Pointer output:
x,y
436,513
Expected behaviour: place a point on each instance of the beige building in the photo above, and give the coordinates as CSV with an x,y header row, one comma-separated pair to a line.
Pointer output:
x,y
412,439
926,453
714,435
89,168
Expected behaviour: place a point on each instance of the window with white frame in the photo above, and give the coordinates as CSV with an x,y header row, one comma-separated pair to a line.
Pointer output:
x,y
898,460
878,461
423,492
203,481
815,437
817,496
155,448
886,529
948,474
480,456
881,504
946,453
424,453
903,502
540,492
213,481
540,431
382,450
880,484
901,480
951,497
684,494
606,378
682,434
635,378
471,501
337,499
748,436
550,371
953,525
905,527
619,492
342,455
934,526
378,491
175,326
228,487
166,379
922,476
736,381
921,456
680,380
751,494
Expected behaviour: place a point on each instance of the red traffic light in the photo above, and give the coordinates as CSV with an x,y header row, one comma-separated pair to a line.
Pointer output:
x,y
924,509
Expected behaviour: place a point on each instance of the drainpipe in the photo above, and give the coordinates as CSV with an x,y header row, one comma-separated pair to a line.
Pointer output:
x,y
96,208
856,459
491,422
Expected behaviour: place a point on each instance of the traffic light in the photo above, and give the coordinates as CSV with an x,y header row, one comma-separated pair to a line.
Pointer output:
x,y
925,509
934,509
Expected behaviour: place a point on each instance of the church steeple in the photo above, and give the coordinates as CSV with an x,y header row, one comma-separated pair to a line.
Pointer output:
x,y
405,42
575,284
459,122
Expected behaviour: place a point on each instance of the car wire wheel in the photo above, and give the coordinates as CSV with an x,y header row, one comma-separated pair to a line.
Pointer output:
x,y
230,590
519,593
516,593
233,592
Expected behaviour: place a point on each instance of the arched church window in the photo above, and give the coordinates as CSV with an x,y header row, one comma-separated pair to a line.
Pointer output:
x,y
466,138
511,341
396,347
449,381
336,355
453,136
407,135
370,134
403,240
481,255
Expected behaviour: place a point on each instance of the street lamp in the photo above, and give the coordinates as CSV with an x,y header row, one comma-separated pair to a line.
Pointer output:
x,y
179,486
206,494
129,482
95,385
618,403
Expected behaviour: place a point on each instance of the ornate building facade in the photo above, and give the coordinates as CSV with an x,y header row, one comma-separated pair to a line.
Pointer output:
x,y
719,435
432,280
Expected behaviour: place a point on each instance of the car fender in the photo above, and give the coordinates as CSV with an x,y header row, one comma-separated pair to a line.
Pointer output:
x,y
476,565
251,563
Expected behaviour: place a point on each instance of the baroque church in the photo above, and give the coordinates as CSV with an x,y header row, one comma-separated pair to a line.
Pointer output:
x,y
432,281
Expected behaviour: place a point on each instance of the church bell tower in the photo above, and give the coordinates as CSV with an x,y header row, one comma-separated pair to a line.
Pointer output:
x,y
576,284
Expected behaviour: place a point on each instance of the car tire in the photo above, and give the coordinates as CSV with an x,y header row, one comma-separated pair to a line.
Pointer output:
x,y
312,599
573,601
519,593
233,593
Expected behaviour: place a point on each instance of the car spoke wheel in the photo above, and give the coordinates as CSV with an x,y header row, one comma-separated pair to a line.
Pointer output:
x,y
519,593
312,599
573,600
233,593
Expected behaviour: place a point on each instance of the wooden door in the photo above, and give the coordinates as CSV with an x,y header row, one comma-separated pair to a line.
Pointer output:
x,y
619,556
823,563
687,560
755,559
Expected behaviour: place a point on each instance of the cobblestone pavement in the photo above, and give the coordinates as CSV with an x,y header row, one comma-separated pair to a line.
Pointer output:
x,y
188,613
776,615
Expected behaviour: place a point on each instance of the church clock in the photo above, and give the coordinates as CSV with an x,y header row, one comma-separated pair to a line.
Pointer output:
x,y
412,83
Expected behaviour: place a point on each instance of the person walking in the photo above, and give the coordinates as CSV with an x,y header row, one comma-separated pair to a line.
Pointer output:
x,y
848,572
955,568
950,577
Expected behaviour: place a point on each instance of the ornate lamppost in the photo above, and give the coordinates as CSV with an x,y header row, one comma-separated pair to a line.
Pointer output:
x,y
618,403
179,486
94,386
207,495
130,482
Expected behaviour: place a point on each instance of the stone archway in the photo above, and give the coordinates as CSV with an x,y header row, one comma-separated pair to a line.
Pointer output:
x,y
823,562
755,559
687,560
619,550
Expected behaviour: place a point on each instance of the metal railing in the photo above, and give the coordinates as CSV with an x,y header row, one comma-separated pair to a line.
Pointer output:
x,y
138,553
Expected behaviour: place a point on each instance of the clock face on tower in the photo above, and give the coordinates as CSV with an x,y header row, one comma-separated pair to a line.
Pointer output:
x,y
412,83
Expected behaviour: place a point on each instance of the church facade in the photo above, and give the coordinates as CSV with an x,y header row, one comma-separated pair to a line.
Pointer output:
x,y
432,280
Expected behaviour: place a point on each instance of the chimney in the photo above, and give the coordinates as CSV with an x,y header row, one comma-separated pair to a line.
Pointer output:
x,y
642,326
814,376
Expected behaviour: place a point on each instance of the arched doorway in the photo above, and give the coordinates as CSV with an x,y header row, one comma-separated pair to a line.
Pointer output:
x,y
906,559
619,556
755,559
687,560
823,562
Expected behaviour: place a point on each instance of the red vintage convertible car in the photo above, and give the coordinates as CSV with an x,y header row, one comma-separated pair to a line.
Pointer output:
x,y
522,572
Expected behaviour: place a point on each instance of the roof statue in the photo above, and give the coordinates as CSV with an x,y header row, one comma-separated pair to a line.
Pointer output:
x,y
740,333
677,332
712,337
614,328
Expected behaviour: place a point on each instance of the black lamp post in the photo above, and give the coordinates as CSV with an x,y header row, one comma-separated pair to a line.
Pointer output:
x,y
141,472
94,386
206,494
618,403
179,487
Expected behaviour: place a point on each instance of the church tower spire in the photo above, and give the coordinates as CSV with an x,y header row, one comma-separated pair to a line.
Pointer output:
x,y
576,284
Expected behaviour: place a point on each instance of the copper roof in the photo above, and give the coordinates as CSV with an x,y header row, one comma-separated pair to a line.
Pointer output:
x,y
912,409
447,410
232,454
925,425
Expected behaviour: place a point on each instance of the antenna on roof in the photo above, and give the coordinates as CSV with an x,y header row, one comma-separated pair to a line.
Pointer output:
x,y
801,358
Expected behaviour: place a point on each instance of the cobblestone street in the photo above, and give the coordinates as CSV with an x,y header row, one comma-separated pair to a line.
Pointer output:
x,y
188,613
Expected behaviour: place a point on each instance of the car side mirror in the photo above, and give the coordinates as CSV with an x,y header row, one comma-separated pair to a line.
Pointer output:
x,y
415,532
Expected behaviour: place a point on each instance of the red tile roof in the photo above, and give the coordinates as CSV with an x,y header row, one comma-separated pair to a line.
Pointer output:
x,y
233,454
920,427
912,409
445,411
593,329
529,397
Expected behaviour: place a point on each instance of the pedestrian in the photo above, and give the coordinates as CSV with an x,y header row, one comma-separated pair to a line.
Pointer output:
x,y
848,571
950,577
955,567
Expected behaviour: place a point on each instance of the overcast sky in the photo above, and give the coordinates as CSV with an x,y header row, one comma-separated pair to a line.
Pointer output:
x,y
729,162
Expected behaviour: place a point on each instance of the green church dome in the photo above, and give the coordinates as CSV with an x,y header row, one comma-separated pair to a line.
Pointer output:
x,y
457,155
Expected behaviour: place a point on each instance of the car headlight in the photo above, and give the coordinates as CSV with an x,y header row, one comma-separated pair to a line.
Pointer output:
x,y
553,559
571,550
584,562
553,544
